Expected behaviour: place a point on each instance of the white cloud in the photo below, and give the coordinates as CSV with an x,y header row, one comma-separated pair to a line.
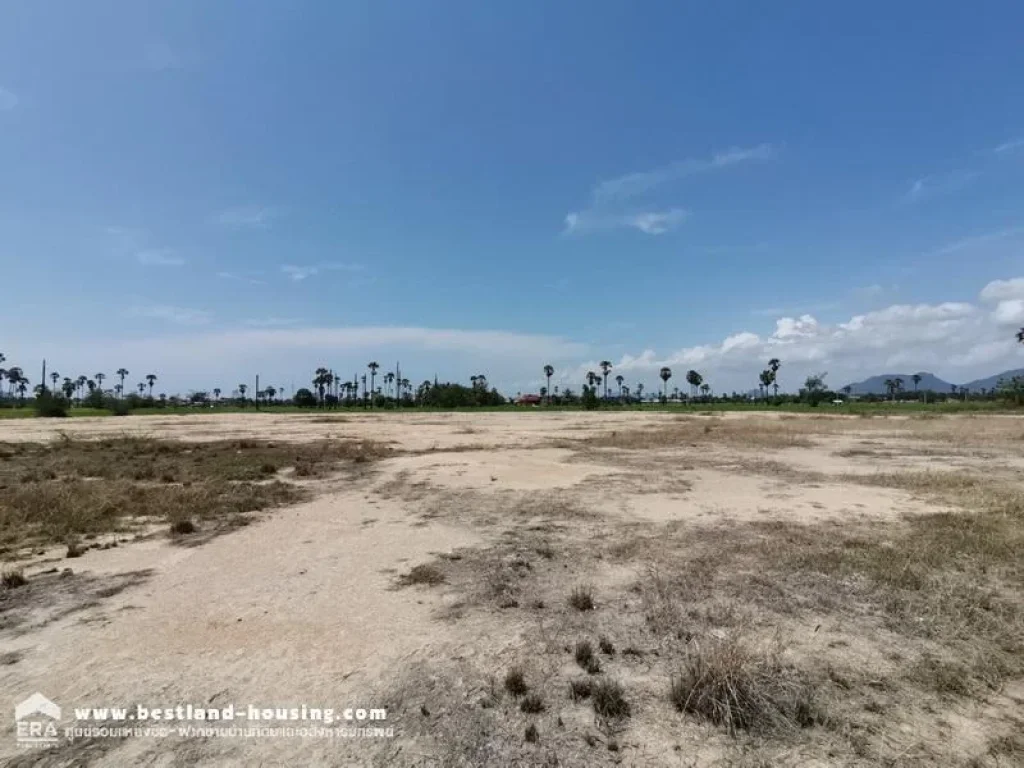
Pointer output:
x,y
999,290
162,57
272,322
957,340
159,257
241,278
7,100
608,197
299,272
976,241
633,184
648,222
247,217
938,184
1009,146
170,314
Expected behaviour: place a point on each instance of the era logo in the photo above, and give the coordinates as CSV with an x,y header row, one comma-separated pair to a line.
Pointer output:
x,y
36,718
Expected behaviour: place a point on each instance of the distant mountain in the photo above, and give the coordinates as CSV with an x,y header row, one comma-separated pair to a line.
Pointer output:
x,y
993,381
876,384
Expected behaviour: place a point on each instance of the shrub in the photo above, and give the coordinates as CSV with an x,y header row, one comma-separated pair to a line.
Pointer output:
x,y
584,655
532,704
515,682
51,406
531,734
580,689
609,700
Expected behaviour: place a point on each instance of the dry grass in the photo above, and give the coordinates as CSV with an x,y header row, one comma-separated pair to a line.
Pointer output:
x,y
756,435
425,573
50,493
741,687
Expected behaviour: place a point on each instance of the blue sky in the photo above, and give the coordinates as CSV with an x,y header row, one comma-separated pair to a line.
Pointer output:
x,y
210,190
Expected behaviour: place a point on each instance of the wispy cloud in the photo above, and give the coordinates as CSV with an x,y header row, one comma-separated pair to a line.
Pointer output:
x,y
170,314
1010,146
272,322
648,222
161,57
938,184
298,272
241,278
159,257
7,100
610,208
634,184
975,241
247,217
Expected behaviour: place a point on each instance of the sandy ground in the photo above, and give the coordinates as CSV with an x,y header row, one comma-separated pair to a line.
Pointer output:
x,y
303,608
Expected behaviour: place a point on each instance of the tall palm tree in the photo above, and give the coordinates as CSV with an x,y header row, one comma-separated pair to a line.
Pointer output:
x,y
53,377
897,386
605,367
773,365
373,366
549,371
80,382
665,374
320,382
68,387
618,380
99,380
640,390
14,377
242,388
122,372
705,389
119,389
890,387
592,378
141,387
151,378
22,388
389,379
693,379
216,393
766,379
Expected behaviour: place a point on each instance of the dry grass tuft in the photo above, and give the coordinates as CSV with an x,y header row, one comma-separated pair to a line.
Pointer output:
x,y
609,700
739,687
425,573
12,578
582,598
515,682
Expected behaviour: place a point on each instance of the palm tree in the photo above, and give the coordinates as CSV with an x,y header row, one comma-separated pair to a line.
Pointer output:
x,y
549,371
373,366
665,374
320,382
99,380
241,391
53,377
119,389
151,378
618,380
897,386
68,387
705,389
766,379
389,379
773,365
22,388
216,393
271,392
122,372
640,391
1020,338
141,387
14,378
605,367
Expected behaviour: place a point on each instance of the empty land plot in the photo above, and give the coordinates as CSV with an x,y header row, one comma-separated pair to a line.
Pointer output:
x,y
563,589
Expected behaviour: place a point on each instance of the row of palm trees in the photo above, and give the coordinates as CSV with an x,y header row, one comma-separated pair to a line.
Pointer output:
x,y
592,379
327,383
78,387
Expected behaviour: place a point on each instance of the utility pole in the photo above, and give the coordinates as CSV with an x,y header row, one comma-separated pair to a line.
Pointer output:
x,y
43,380
257,393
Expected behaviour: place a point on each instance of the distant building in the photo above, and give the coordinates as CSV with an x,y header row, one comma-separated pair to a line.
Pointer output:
x,y
529,400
